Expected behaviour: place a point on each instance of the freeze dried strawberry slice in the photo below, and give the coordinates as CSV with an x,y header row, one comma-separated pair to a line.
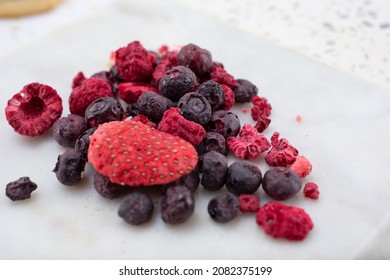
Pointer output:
x,y
132,153
34,109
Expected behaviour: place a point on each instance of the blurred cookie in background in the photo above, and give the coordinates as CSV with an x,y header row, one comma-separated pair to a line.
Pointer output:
x,y
19,8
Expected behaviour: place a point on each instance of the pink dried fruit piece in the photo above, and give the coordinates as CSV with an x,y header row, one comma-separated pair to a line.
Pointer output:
x,y
310,190
249,203
282,153
301,166
34,109
131,91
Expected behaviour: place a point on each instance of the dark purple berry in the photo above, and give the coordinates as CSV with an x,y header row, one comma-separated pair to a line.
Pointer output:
x,y
153,105
281,183
195,107
106,188
214,168
212,142
82,143
66,130
136,208
20,189
191,181
224,207
225,123
132,110
213,92
177,205
70,167
176,82
243,178
102,110
244,91
197,59
108,76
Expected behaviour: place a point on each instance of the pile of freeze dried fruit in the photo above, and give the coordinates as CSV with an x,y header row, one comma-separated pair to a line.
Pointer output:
x,y
162,120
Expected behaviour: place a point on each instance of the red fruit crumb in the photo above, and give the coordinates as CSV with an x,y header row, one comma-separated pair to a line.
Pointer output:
x,y
310,190
260,108
78,79
298,118
89,90
130,91
167,62
134,63
249,203
281,153
174,123
34,109
220,75
249,144
245,110
144,119
283,221
134,154
262,123
228,95
301,166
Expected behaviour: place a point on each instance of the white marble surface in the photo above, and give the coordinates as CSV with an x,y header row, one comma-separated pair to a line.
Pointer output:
x,y
344,133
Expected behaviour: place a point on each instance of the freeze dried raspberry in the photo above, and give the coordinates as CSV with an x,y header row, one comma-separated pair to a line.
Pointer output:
x,y
261,107
228,96
249,203
78,79
144,119
249,144
310,190
89,90
262,123
281,153
283,221
132,153
301,166
220,75
174,123
134,63
34,109
130,91
167,62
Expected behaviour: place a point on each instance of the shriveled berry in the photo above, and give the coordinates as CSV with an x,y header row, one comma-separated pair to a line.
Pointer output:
x,y
228,97
282,153
176,82
34,109
168,61
144,119
66,130
20,189
244,91
301,166
213,92
224,207
310,190
70,167
102,110
78,79
249,203
243,178
195,107
261,107
225,123
106,188
191,181
107,76
281,183
136,208
132,110
153,105
262,123
283,221
212,142
214,169
197,59
82,142
177,205
220,75
131,91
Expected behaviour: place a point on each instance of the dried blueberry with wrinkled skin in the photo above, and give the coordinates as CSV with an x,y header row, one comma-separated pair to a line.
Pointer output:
x,y
224,207
195,107
244,91
20,189
82,142
132,110
213,92
212,142
106,188
281,183
66,130
108,76
136,208
176,82
102,110
177,205
70,167
225,123
191,181
197,59
243,178
214,169
153,105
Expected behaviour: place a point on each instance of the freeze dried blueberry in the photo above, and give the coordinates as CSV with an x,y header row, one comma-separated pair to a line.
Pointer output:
x,y
176,82
66,130
225,123
153,105
132,110
82,142
191,181
281,183
214,93
20,189
214,168
197,59
177,205
243,178
102,110
212,142
108,76
195,107
106,188
70,167
224,207
244,91
136,208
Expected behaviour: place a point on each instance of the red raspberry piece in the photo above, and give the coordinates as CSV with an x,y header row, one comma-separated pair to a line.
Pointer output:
x,y
262,123
310,190
89,90
174,123
167,62
134,154
260,107
34,109
281,153
228,95
78,79
220,75
301,166
283,221
134,63
144,119
249,144
130,91
249,203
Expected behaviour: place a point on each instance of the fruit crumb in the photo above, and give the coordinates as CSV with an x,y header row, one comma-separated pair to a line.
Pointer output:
x,y
298,118
310,190
301,166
